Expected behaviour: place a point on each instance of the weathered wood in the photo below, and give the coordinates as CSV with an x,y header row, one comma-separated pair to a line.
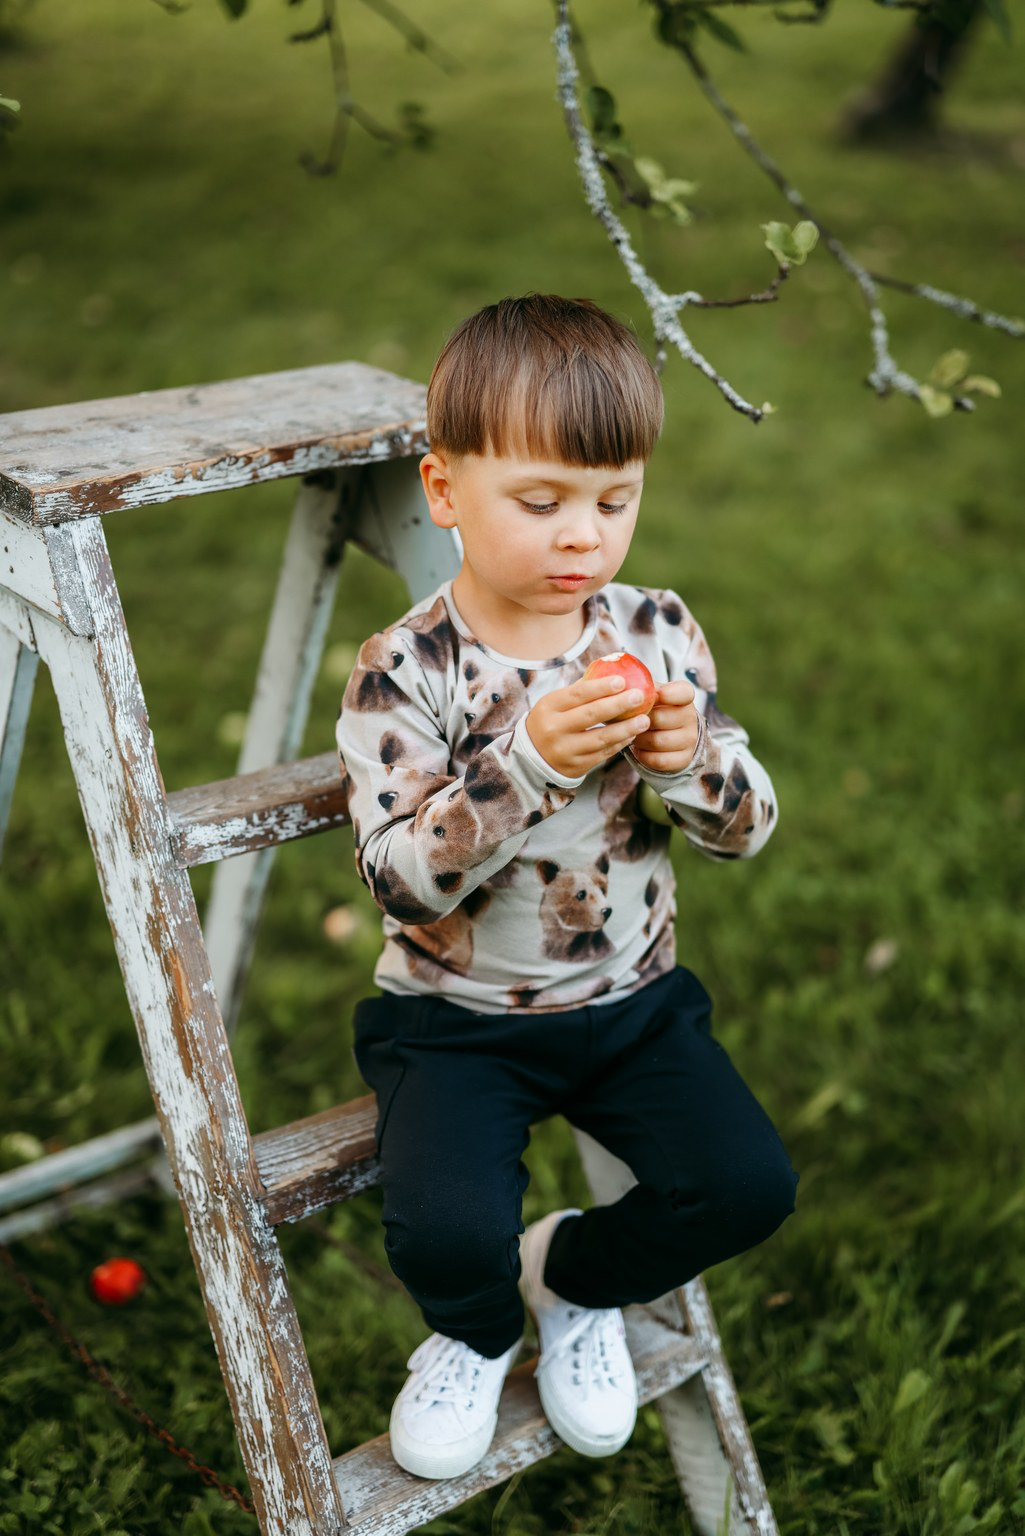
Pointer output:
x,y
258,810
16,616
751,1511
70,461
383,1500
35,567
318,1161
18,664
281,702
73,1165
185,1049
391,523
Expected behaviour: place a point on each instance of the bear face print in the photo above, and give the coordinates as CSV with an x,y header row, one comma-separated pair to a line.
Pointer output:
x,y
574,911
435,639
370,688
407,786
496,701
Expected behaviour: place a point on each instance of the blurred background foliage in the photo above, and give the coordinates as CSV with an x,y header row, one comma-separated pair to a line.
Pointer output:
x,y
856,565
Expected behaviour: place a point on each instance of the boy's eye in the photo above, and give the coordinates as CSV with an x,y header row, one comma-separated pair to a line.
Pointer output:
x,y
611,506
534,506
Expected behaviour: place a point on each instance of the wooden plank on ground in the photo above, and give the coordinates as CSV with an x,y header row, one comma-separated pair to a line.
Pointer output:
x,y
67,461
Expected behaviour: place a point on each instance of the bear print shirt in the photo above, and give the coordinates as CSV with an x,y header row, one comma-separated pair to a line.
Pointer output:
x,y
505,885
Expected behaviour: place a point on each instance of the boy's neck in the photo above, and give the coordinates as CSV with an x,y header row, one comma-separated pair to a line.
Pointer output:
x,y
537,637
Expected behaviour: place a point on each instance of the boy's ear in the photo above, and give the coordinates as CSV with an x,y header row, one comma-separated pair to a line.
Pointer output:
x,y
435,476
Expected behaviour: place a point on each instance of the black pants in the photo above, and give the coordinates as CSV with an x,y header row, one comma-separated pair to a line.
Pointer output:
x,y
457,1092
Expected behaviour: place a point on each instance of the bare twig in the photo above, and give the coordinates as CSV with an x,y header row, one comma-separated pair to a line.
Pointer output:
x,y
663,307
965,309
886,375
346,108
414,35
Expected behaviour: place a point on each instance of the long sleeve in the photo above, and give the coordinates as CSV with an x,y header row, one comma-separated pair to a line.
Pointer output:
x,y
426,836
723,800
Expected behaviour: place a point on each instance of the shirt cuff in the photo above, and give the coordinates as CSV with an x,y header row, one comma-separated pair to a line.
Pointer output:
x,y
664,781
522,743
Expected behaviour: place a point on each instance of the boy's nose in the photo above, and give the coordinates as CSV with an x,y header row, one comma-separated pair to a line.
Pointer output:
x,y
580,534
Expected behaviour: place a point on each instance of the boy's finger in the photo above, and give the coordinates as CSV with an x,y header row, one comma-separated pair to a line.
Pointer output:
x,y
587,688
670,717
679,691
603,711
611,739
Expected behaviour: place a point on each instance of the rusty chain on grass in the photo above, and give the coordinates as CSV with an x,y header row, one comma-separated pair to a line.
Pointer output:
x,y
100,1374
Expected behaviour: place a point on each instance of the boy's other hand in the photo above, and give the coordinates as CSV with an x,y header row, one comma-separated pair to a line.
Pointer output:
x,y
667,746
567,728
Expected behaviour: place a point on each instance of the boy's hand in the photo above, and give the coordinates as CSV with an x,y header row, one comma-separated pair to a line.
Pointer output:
x,y
565,726
668,746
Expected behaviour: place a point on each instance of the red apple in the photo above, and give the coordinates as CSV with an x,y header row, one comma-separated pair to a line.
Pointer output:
x,y
117,1281
635,675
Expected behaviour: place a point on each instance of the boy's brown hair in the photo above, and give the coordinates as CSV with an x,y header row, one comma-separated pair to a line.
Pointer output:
x,y
557,378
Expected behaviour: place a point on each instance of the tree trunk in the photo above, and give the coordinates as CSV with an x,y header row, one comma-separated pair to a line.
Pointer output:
x,y
904,101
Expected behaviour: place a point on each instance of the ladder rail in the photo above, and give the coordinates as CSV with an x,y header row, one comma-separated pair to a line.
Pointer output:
x,y
185,1048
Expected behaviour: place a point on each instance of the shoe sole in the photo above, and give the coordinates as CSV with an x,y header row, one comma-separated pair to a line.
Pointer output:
x,y
438,1463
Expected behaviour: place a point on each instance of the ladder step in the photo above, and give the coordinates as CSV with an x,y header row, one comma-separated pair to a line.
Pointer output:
x,y
318,1161
65,461
257,810
380,1499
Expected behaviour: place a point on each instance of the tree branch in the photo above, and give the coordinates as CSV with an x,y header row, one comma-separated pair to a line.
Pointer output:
x,y
966,309
662,306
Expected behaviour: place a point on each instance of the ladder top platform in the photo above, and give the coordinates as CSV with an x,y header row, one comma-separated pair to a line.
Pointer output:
x,y
67,461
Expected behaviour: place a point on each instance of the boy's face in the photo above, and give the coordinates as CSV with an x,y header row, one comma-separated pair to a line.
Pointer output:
x,y
538,537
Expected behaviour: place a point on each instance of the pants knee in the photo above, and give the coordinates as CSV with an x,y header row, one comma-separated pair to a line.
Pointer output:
x,y
759,1198
746,1202
447,1258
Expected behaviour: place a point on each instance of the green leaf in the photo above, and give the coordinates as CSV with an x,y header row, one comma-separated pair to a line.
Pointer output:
x,y
914,1387
602,106
235,8
722,31
1001,20
950,368
675,26
667,193
981,385
936,401
9,105
789,247
806,236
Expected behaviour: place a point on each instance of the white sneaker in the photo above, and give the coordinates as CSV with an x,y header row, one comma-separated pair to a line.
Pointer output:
x,y
585,1376
444,1418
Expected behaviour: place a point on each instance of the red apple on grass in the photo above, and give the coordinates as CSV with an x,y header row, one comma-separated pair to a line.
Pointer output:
x,y
634,674
117,1281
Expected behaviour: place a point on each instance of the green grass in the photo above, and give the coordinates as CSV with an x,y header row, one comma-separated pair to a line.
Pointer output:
x,y
858,569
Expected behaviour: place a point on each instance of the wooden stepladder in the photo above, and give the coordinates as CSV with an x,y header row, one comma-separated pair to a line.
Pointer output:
x,y
348,434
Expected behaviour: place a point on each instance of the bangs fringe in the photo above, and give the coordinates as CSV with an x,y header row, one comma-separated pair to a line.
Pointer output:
x,y
549,378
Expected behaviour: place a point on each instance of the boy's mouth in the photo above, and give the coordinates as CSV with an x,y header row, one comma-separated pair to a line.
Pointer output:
x,y
569,581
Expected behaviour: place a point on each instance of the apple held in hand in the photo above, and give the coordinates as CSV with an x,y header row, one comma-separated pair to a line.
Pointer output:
x,y
634,674
117,1281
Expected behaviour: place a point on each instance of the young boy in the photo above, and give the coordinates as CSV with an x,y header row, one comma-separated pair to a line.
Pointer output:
x,y
529,964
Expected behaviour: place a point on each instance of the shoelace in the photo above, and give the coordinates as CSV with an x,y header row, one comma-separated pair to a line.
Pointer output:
x,y
451,1372
594,1340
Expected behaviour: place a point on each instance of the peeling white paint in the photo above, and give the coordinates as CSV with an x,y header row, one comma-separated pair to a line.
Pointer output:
x,y
167,979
